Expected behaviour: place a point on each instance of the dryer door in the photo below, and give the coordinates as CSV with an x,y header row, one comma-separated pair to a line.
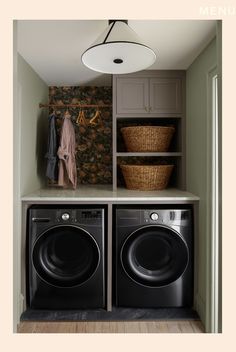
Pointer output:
x,y
65,256
154,256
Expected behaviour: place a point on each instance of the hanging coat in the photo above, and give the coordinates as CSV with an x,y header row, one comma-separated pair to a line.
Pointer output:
x,y
66,153
51,155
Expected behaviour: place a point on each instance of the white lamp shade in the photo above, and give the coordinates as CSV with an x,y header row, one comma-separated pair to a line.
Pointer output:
x,y
118,50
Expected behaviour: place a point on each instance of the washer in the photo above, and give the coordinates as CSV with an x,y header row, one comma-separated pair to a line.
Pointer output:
x,y
65,257
154,257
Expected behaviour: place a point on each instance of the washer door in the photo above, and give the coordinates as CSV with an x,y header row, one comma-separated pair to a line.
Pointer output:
x,y
154,256
65,256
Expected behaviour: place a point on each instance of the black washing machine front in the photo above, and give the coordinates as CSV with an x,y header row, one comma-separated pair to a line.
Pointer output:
x,y
65,257
154,257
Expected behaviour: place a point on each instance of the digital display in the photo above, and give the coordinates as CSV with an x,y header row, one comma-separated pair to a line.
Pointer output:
x,y
91,214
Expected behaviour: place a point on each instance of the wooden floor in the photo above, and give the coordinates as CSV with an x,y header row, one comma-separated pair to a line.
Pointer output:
x,y
181,326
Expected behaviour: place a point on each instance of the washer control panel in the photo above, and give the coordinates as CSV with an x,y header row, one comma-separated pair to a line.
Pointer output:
x,y
92,217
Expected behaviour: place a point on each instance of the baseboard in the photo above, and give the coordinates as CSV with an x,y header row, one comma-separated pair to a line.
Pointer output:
x,y
117,314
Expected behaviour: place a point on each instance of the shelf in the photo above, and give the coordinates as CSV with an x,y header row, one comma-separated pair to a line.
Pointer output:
x,y
104,193
124,154
151,116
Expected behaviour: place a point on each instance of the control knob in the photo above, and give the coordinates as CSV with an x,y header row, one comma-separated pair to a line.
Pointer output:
x,y
154,216
65,216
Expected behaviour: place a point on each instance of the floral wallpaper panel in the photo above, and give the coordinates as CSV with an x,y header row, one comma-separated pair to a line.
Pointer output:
x,y
93,129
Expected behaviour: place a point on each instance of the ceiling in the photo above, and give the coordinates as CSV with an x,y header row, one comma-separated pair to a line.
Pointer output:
x,y
54,47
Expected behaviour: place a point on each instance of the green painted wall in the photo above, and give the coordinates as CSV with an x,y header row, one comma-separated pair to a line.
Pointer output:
x,y
196,157
30,135
33,126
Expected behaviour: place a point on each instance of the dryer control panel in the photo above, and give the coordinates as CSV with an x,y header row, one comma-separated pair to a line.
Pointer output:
x,y
134,217
172,216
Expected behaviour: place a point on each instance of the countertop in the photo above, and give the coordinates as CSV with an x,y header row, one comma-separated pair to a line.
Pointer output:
x,y
104,193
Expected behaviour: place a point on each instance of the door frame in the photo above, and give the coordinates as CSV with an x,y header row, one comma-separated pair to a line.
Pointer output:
x,y
213,243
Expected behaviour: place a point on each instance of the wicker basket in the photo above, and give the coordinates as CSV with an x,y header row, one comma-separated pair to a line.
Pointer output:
x,y
146,177
147,138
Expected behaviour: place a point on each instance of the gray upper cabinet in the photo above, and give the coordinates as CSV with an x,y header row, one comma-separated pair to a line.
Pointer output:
x,y
145,94
165,95
132,95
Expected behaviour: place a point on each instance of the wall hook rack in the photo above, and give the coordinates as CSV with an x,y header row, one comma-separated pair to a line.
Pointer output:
x,y
74,106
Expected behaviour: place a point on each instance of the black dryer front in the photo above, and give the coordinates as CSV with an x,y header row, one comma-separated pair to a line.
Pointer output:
x,y
154,257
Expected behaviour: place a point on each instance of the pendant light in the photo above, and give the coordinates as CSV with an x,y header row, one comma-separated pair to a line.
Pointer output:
x,y
118,50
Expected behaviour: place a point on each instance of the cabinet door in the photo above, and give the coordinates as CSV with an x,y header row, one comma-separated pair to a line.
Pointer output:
x,y
132,96
165,95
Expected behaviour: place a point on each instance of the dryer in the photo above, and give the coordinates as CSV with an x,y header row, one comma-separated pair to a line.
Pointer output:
x,y
65,257
154,257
